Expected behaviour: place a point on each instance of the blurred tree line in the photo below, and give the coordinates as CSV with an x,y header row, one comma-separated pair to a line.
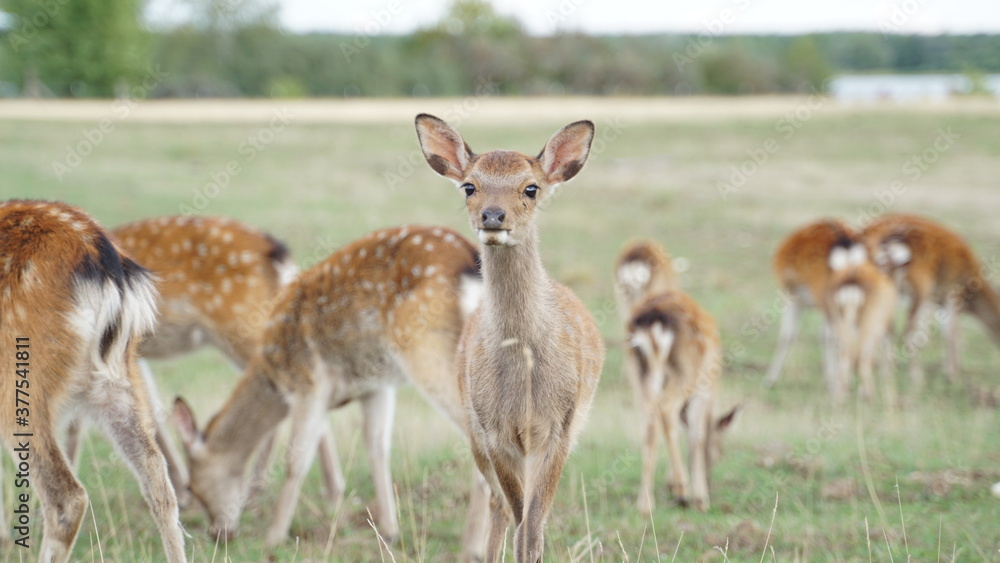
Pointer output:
x,y
236,48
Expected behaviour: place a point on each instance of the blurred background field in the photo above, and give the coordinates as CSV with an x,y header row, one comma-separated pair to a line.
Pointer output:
x,y
849,482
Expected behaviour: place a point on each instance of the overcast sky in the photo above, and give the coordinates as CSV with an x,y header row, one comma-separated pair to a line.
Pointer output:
x,y
642,16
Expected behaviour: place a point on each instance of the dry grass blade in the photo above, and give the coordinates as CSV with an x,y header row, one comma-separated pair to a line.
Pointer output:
x,y
770,528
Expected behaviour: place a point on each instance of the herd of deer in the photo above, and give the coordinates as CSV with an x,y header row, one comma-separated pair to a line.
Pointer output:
x,y
508,355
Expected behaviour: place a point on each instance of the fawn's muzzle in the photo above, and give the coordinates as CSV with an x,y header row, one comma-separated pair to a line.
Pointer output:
x,y
493,217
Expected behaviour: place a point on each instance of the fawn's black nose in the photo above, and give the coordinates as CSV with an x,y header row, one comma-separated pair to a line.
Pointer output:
x,y
493,217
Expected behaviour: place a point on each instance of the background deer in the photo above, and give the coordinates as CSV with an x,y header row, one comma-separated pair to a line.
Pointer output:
x,y
861,302
383,310
675,345
218,279
531,355
80,305
642,268
931,264
804,271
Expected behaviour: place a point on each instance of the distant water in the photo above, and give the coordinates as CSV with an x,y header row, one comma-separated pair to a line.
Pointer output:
x,y
906,87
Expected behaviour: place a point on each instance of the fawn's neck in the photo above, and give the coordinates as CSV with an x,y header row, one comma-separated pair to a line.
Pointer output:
x,y
518,291
254,409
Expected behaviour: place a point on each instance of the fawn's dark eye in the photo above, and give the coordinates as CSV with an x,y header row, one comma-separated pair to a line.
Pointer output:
x,y
469,189
531,191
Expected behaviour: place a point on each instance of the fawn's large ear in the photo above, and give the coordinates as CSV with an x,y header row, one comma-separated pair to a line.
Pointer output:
x,y
567,150
186,425
443,147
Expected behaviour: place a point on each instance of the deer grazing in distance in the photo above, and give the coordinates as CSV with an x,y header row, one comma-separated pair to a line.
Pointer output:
x,y
804,271
933,265
382,311
643,267
217,280
861,302
531,355
675,346
72,309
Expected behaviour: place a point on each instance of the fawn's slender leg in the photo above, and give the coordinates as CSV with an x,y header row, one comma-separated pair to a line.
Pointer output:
x,y
650,429
670,417
379,408
308,411
791,317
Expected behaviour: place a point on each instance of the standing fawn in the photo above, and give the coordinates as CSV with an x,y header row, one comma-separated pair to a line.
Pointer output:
x,y
383,310
218,279
531,355
861,302
804,271
72,308
675,346
933,265
642,268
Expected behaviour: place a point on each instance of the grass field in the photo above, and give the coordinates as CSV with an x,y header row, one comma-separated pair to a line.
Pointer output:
x,y
851,484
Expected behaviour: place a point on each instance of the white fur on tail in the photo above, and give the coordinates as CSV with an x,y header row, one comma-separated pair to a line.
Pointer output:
x,y
654,343
841,257
287,271
100,305
471,292
898,253
634,274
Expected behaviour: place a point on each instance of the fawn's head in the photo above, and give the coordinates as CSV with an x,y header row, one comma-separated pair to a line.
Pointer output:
x,y
503,188
220,489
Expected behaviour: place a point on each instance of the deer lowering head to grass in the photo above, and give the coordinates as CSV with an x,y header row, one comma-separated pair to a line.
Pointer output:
x,y
218,279
933,265
531,355
803,268
675,346
382,311
72,309
860,302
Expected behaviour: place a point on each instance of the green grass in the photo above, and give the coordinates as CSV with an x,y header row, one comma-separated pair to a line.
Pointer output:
x,y
851,484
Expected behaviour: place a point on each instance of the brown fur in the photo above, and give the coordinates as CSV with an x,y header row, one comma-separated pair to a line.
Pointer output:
x,y
380,312
942,269
531,355
635,260
675,345
218,281
861,301
82,303
650,254
801,265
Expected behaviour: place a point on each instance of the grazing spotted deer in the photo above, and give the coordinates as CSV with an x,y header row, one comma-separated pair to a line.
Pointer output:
x,y
861,302
675,345
72,308
382,311
531,355
218,279
804,271
933,265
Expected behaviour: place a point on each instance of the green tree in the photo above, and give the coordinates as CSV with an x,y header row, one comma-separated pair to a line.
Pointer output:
x,y
75,47
804,65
